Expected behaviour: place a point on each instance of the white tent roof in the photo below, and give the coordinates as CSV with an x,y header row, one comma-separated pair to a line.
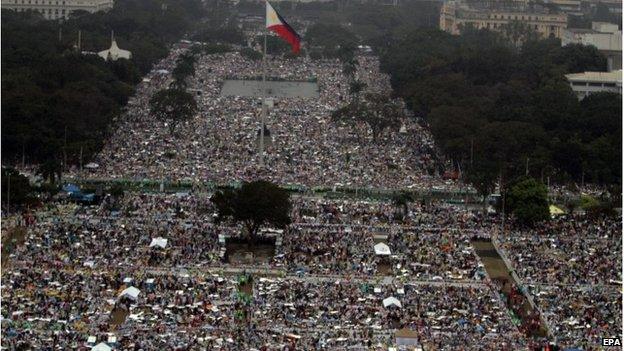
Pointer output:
x,y
382,249
159,241
130,292
391,301
114,52
101,347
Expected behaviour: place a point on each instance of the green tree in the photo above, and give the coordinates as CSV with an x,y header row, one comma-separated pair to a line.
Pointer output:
x,y
173,106
402,200
185,68
580,58
20,189
51,171
377,111
355,88
255,204
518,33
527,199
482,174
333,40
251,54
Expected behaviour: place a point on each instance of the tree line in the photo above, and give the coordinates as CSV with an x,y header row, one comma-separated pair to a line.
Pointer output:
x,y
496,110
58,103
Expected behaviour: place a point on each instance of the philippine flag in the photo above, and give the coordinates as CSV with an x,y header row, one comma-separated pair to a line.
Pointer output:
x,y
276,23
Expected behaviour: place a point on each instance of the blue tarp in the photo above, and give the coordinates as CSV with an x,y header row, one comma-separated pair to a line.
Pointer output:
x,y
71,188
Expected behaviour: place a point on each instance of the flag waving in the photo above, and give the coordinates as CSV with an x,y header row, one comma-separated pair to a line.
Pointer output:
x,y
276,23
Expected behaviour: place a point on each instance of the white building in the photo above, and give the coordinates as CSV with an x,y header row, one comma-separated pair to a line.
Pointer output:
x,y
584,84
57,9
570,7
606,37
114,52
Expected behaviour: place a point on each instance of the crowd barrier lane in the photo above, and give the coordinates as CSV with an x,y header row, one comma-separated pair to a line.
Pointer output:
x,y
520,284
452,193
269,271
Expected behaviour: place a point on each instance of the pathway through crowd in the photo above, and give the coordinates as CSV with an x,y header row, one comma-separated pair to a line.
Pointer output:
x,y
517,303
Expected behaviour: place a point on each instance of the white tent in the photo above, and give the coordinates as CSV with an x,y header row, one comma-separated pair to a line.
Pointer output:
x,y
382,249
391,301
92,165
114,52
159,241
131,292
101,347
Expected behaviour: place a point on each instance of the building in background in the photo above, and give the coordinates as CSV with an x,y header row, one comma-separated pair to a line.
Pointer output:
x,y
57,9
586,83
570,7
614,6
457,14
606,37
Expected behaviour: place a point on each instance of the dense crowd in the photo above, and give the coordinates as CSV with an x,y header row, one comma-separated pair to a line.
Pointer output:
x,y
446,317
154,271
571,266
305,146
108,247
567,251
87,255
581,315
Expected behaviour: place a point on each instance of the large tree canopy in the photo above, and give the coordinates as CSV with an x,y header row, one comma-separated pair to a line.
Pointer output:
x,y
255,204
527,199
52,93
377,111
173,106
505,105
16,189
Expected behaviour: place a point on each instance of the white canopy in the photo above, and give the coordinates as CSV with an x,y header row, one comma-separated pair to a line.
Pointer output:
x,y
392,301
114,52
159,241
131,292
382,249
101,347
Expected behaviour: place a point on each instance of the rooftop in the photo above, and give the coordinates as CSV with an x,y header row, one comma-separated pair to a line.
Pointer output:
x,y
613,76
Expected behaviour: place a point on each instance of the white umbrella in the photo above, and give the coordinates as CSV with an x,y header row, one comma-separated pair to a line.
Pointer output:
x,y
101,347
391,301
382,249
131,292
159,241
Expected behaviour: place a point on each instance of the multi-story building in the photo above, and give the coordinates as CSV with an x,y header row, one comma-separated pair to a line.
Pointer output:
x,y
586,83
455,14
571,7
615,6
606,37
57,9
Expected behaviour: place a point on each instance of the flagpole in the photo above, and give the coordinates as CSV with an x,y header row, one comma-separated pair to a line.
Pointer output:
x,y
264,106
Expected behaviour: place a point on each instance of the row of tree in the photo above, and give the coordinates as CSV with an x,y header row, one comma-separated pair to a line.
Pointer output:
x,y
499,111
58,103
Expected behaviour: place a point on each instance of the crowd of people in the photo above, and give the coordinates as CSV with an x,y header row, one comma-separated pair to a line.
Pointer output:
x,y
581,315
571,266
152,271
304,146
87,255
97,251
